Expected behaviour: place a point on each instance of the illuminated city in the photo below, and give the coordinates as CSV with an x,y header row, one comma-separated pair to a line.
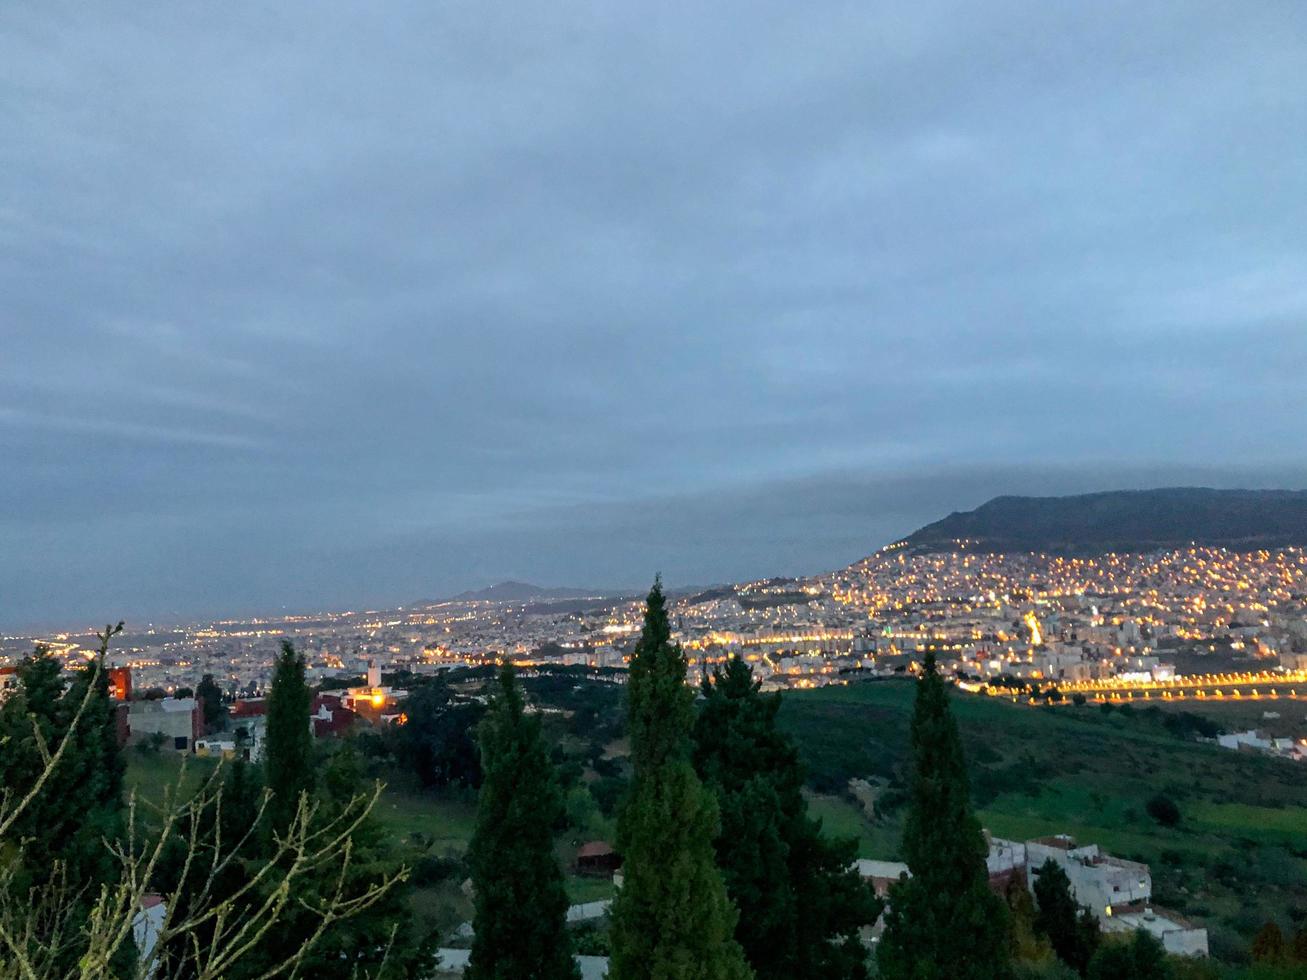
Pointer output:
x,y
1180,624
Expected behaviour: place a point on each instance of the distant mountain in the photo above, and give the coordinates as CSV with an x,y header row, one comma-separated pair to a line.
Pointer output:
x,y
1125,520
523,592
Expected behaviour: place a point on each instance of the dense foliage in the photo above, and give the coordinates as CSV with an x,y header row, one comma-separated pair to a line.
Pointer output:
x,y
64,836
438,742
1140,957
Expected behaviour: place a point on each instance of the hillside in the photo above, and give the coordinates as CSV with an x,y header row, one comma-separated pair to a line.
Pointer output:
x,y
1125,520
1236,859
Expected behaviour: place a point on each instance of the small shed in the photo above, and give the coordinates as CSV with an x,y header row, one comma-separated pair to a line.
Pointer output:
x,y
597,858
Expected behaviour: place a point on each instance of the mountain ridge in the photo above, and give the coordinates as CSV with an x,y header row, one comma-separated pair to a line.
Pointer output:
x,y
1123,520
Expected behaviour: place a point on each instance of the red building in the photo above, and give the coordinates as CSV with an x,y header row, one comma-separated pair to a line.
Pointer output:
x,y
249,708
8,680
330,716
120,683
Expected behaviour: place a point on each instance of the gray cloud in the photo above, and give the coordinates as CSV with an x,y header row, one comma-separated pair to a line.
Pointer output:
x,y
318,306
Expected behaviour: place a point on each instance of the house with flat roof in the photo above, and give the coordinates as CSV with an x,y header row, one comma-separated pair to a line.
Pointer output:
x,y
179,720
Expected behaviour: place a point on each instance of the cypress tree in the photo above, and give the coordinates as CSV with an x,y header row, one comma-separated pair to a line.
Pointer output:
x,y
210,698
801,904
672,918
521,905
943,922
1071,930
288,748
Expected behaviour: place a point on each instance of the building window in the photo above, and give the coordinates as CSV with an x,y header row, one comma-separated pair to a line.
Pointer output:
x,y
179,743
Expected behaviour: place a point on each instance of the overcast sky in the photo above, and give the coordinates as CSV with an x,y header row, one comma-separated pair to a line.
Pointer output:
x,y
327,305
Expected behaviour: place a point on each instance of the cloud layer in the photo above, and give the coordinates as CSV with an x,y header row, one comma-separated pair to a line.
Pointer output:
x,y
337,304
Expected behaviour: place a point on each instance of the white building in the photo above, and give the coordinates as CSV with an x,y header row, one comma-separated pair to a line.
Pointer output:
x,y
146,927
1178,936
1118,892
176,720
881,874
1245,740
454,963
216,745
1097,881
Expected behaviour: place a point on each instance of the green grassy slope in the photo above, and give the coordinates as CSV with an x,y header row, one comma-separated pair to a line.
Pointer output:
x,y
1237,858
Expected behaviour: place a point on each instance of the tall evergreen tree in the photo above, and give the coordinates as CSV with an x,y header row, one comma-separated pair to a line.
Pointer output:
x,y
943,922
210,698
1071,929
672,918
801,903
521,905
288,746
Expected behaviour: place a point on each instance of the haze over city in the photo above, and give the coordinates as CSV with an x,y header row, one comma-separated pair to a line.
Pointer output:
x,y
321,312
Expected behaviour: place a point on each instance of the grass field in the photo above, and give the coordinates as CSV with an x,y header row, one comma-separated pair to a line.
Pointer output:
x,y
448,823
841,817
151,774
1237,858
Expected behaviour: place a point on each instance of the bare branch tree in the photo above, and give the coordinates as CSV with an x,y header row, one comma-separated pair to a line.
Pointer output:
x,y
206,936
